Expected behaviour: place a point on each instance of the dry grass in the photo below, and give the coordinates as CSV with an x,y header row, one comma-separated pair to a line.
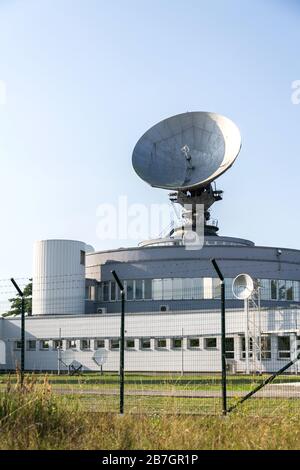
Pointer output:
x,y
232,432
33,418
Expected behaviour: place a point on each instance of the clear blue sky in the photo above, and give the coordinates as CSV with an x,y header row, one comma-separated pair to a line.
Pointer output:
x,y
84,80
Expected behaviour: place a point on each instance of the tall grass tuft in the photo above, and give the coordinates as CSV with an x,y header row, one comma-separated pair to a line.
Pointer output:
x,y
31,417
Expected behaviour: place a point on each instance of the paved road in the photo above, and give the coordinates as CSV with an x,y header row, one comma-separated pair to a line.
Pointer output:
x,y
270,391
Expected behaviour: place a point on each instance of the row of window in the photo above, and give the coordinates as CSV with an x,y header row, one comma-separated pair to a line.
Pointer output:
x,y
188,288
209,343
113,344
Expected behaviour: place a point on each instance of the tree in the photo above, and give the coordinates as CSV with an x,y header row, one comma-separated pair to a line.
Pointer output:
x,y
16,302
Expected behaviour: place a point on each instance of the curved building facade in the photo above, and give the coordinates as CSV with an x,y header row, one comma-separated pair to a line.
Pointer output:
x,y
174,275
173,321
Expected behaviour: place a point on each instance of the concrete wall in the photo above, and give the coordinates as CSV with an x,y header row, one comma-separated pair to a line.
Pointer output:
x,y
147,325
58,277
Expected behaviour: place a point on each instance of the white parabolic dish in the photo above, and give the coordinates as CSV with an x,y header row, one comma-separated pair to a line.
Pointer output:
x,y
242,286
100,356
187,151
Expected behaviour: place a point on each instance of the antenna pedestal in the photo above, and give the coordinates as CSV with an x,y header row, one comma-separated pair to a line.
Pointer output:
x,y
197,200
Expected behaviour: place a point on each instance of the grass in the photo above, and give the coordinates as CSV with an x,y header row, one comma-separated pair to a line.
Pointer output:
x,y
205,382
33,417
263,407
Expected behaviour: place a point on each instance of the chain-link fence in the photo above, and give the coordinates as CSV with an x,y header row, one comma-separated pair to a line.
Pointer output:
x,y
172,350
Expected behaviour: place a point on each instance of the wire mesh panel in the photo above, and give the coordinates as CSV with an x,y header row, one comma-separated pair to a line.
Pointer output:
x,y
268,369
172,360
172,345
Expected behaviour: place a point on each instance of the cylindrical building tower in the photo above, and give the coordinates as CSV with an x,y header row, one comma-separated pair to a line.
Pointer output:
x,y
58,277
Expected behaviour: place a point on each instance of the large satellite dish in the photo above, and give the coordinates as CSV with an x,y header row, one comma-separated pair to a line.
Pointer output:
x,y
187,151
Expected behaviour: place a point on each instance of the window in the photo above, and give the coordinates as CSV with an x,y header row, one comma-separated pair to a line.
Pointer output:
x,y
243,347
90,292
193,342
187,286
112,290
87,292
216,286
99,343
106,291
138,289
99,292
129,344
274,290
176,343
118,292
207,288
44,344
114,344
148,288
31,345
161,343
167,289
266,347
210,343
177,289
129,290
145,343
264,289
228,288
289,290
85,344
18,345
197,289
281,290
157,289
284,347
296,291
229,348
57,344
82,257
71,344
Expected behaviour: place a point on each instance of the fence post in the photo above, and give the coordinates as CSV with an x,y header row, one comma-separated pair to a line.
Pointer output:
x,y
122,337
223,337
22,329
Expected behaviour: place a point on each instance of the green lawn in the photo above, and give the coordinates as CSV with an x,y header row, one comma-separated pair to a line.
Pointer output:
x,y
93,381
144,392
185,406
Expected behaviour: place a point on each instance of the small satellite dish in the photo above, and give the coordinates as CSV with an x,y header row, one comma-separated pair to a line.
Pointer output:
x,y
100,356
242,286
187,151
67,357
75,364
